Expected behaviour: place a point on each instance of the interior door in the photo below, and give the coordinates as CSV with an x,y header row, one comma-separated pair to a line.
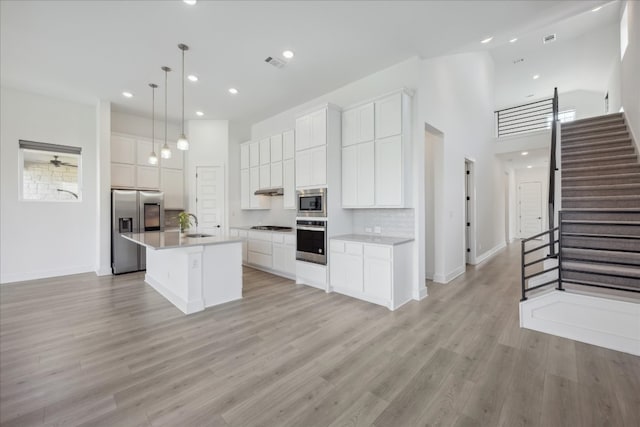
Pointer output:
x,y
530,208
210,199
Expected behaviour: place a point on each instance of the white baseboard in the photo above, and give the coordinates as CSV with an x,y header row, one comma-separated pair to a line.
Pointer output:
x,y
44,274
604,322
421,294
490,253
187,307
105,271
446,278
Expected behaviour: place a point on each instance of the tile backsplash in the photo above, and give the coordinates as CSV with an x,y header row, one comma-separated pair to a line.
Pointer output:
x,y
393,222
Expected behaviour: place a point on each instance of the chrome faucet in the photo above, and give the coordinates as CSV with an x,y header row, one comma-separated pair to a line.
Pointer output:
x,y
195,218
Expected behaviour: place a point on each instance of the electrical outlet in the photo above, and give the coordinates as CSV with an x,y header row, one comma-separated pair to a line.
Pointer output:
x,y
368,230
377,229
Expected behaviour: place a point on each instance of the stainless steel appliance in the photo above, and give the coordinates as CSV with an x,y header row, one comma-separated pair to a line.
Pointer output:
x,y
311,241
133,211
271,228
312,202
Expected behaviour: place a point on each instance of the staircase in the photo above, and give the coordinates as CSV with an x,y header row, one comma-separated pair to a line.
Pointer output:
x,y
600,217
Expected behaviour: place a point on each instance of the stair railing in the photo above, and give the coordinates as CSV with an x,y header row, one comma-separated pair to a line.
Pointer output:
x,y
553,167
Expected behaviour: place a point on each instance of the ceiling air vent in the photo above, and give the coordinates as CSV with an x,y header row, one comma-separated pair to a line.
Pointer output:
x,y
548,39
278,63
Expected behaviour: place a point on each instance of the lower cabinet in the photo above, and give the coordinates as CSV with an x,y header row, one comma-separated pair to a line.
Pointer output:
x,y
275,251
377,273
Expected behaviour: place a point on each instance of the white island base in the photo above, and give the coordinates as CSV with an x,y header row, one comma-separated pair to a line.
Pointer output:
x,y
197,277
195,273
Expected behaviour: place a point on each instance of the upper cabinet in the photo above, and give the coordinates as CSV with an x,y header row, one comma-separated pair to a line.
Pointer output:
x,y
244,156
388,121
288,145
130,168
265,151
276,148
376,153
316,133
358,125
254,154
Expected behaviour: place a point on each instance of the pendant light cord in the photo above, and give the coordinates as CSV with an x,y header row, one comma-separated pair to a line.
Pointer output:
x,y
183,91
166,73
153,119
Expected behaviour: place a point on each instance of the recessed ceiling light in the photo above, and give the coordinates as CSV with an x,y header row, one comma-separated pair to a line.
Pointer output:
x,y
513,40
487,40
536,76
595,9
288,54
192,77
529,166
233,91
127,94
190,2
199,113
524,153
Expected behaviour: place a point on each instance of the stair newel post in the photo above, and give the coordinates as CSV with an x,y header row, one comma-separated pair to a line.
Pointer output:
x,y
560,286
524,297
552,169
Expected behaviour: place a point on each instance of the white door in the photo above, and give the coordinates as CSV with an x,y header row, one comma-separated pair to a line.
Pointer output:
x,y
377,278
265,176
319,128
303,168
276,148
303,133
388,171
388,112
530,208
319,166
265,151
210,199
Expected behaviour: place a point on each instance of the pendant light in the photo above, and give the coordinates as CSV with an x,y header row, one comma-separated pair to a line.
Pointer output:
x,y
165,152
153,158
183,143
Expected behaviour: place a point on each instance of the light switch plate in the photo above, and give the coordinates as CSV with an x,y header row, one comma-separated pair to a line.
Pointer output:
x,y
368,230
377,229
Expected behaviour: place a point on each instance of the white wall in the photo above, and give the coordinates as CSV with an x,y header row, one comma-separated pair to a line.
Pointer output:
x,y
45,239
457,98
208,146
630,70
141,126
587,103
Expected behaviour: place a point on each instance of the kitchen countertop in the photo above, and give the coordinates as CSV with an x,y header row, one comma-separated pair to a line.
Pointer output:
x,y
172,240
375,239
248,228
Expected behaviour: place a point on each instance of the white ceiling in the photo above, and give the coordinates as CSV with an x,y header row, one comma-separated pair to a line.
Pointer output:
x,y
88,50
534,158
580,59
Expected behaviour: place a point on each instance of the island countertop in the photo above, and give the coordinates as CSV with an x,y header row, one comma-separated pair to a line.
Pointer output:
x,y
374,239
172,240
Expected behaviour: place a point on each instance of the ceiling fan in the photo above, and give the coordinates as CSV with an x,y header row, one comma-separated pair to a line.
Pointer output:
x,y
57,163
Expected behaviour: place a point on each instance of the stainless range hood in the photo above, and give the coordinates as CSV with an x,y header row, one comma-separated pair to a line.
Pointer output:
x,y
270,192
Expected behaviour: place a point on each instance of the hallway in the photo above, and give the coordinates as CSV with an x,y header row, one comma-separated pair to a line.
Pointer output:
x,y
110,351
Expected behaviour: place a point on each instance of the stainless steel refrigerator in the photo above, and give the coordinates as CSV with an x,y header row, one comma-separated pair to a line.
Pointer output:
x,y
133,211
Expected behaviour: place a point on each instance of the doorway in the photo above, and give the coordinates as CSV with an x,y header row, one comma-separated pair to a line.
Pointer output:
x,y
469,212
530,216
210,199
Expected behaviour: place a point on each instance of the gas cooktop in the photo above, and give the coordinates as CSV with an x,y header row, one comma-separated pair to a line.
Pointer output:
x,y
271,228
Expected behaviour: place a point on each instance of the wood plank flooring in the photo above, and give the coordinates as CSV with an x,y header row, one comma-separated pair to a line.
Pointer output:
x,y
110,351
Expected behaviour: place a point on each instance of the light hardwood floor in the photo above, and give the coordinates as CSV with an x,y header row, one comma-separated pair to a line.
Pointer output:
x,y
82,350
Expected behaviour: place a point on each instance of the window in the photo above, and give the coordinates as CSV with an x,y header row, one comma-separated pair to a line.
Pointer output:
x,y
624,31
49,172
563,116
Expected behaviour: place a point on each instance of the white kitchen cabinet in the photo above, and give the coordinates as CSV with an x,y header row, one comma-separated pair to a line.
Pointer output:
x,y
388,116
177,156
123,150
265,176
276,175
389,172
288,145
272,251
172,184
143,149
346,270
147,177
311,167
358,175
244,156
265,151
245,189
358,125
319,128
289,184
284,259
123,176
254,154
254,185
242,234
275,143
378,273
303,133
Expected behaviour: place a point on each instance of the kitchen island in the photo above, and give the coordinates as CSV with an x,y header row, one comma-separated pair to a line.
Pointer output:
x,y
193,273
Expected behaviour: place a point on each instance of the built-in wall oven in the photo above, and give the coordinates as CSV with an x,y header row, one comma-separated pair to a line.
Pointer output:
x,y
311,241
312,203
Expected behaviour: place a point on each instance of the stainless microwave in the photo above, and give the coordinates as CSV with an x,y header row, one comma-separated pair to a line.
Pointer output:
x,y
312,202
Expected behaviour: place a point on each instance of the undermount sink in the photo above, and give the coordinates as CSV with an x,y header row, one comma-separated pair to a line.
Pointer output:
x,y
198,235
